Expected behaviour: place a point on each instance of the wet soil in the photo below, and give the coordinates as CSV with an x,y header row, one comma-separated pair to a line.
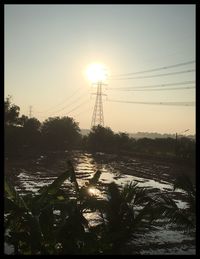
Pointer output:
x,y
31,172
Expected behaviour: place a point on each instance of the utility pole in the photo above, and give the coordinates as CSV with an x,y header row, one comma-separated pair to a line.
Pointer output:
x,y
97,117
176,143
30,111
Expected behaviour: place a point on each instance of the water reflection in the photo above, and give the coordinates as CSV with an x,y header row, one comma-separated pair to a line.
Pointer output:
x,y
120,172
85,166
92,191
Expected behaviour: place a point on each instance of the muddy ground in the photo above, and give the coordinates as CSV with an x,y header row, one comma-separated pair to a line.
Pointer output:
x,y
164,239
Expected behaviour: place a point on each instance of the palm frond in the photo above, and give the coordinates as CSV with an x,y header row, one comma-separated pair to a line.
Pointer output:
x,y
73,176
184,182
128,192
12,194
95,178
114,196
51,189
162,206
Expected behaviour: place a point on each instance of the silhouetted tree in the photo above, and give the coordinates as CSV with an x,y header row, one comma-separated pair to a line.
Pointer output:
x,y
60,133
123,142
22,120
11,112
101,139
32,124
31,132
186,148
21,131
12,138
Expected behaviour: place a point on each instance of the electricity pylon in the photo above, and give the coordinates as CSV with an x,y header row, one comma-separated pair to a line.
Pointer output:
x,y
30,111
97,117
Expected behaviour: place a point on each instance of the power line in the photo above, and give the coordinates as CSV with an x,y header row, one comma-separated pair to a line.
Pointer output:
x,y
77,90
68,105
156,103
156,69
149,86
161,89
76,107
83,111
157,75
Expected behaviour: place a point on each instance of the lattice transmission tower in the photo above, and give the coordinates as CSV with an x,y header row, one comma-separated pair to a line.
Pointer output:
x,y
97,117
30,111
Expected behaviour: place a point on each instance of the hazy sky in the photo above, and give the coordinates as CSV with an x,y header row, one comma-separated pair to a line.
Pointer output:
x,y
48,48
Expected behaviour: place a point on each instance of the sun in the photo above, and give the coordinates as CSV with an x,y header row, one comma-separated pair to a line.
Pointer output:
x,y
96,72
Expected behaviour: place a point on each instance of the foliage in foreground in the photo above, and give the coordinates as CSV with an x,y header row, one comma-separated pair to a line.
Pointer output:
x,y
54,222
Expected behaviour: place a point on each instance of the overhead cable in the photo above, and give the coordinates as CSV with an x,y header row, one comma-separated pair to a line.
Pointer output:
x,y
157,75
66,99
155,69
159,89
75,108
68,105
156,103
149,86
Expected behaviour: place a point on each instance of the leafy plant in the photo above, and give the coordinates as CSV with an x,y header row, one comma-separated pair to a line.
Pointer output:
x,y
54,222
33,227
162,206
121,215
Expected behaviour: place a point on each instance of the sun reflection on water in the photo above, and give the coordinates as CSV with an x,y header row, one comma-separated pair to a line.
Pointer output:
x,y
92,191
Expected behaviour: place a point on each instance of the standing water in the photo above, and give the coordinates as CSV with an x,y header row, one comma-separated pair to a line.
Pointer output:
x,y
164,239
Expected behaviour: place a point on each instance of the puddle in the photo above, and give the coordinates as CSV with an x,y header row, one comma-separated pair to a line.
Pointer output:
x,y
164,241
119,172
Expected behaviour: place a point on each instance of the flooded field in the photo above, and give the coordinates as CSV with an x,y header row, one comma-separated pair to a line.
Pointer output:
x,y
32,174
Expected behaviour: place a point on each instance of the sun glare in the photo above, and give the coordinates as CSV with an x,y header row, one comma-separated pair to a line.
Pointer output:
x,y
96,72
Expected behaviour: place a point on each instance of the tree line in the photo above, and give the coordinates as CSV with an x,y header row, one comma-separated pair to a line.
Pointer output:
x,y
60,133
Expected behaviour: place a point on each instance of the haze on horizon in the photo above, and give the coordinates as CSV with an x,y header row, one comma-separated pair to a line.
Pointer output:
x,y
49,47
